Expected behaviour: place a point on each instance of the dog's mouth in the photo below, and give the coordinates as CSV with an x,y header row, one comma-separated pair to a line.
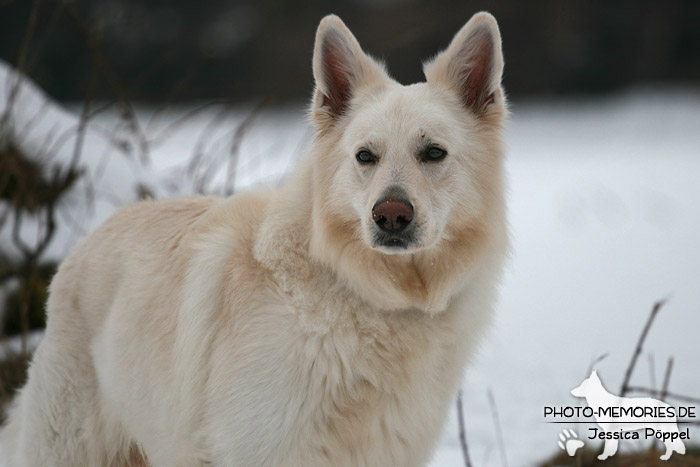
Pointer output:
x,y
394,243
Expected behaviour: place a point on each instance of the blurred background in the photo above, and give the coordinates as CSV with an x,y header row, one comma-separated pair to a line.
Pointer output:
x,y
105,102
244,50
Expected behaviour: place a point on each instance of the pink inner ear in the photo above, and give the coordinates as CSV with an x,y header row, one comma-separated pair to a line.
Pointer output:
x,y
476,62
336,71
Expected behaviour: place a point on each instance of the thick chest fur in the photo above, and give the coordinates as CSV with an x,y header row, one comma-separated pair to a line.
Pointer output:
x,y
336,383
304,372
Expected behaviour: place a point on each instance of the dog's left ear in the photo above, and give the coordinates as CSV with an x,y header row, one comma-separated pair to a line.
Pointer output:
x,y
472,65
340,68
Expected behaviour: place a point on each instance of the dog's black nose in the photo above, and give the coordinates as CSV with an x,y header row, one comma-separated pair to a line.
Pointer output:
x,y
392,215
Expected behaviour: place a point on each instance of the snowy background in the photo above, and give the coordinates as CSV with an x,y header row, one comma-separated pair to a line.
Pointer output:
x,y
604,200
605,215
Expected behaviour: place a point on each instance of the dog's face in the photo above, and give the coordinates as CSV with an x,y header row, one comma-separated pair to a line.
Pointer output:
x,y
402,162
406,180
406,167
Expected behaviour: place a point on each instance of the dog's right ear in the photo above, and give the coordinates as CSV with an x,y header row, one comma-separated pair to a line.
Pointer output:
x,y
340,68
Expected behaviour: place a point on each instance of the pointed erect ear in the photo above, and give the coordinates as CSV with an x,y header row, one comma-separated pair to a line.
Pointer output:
x,y
472,65
340,69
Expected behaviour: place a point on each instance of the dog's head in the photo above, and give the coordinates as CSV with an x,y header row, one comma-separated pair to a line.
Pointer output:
x,y
405,170
588,384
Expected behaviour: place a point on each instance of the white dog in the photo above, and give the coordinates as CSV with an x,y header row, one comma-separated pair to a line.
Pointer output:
x,y
325,323
617,415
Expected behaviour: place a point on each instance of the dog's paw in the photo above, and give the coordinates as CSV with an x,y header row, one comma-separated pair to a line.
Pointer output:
x,y
569,442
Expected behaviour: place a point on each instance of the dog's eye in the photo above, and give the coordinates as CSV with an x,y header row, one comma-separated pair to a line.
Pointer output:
x,y
365,157
434,154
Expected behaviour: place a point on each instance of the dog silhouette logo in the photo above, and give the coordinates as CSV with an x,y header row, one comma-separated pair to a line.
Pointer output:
x,y
621,417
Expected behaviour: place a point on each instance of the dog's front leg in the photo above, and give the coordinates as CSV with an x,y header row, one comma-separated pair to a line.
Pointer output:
x,y
609,449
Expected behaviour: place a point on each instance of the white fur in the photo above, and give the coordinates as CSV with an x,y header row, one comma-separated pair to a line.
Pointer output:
x,y
267,328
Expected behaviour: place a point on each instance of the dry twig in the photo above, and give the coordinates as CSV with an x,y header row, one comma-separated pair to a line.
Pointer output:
x,y
499,430
638,349
462,431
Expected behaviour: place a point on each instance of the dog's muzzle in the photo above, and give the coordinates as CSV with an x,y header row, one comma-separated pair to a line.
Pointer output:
x,y
393,215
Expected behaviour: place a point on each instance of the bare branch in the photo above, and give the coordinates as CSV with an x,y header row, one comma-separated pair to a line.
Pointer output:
x,y
82,124
638,349
595,361
20,69
462,432
667,378
16,238
229,184
499,430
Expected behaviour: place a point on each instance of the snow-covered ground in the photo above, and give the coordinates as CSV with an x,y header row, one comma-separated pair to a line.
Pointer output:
x,y
605,214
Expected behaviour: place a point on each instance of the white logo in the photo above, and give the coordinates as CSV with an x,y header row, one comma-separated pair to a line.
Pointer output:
x,y
620,417
568,441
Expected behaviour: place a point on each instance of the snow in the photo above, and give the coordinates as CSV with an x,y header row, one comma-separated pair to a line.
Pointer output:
x,y
119,156
605,214
49,134
13,345
604,206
